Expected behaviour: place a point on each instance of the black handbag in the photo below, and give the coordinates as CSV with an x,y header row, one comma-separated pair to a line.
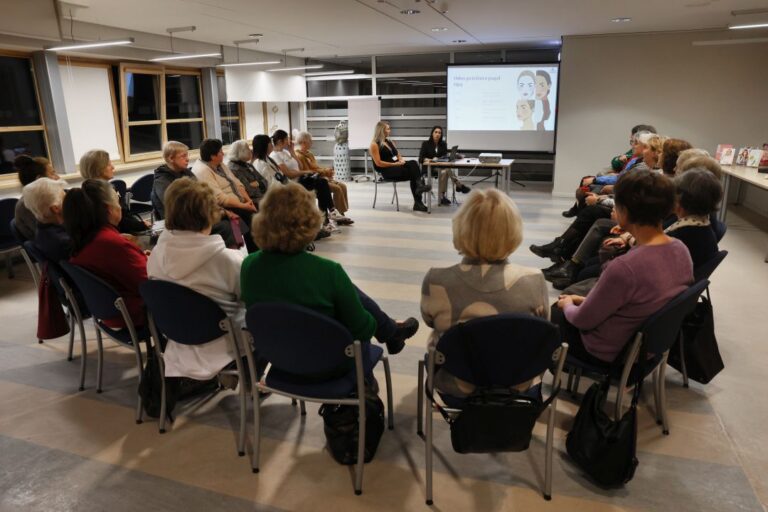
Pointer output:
x,y
603,448
701,354
494,420
342,428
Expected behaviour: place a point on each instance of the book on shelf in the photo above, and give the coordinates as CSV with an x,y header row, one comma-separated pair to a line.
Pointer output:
x,y
720,149
742,156
727,156
755,156
764,160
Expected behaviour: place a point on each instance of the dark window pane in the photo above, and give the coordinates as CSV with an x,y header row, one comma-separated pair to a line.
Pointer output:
x,y
13,144
477,57
145,139
230,131
412,85
356,87
229,109
143,95
190,134
409,63
322,105
413,103
18,102
361,65
182,97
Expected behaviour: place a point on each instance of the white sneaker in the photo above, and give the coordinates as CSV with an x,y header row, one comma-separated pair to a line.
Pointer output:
x,y
331,227
334,214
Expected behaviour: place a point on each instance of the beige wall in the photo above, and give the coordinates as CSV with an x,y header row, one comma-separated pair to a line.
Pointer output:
x,y
704,94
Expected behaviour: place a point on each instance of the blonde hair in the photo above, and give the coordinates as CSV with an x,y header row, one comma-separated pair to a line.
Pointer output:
x,y
488,226
690,154
93,163
379,133
303,136
699,162
172,148
40,195
190,205
287,221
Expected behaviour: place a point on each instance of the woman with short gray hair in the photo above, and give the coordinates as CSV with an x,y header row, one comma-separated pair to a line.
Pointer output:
x,y
240,157
44,198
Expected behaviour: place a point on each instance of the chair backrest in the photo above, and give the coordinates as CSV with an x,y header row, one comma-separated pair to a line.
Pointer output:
x,y
499,350
16,233
297,339
141,190
660,330
122,190
55,273
719,228
182,314
99,296
7,213
707,268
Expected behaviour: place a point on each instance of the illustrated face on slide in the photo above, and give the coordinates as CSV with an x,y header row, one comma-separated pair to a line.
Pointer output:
x,y
525,85
524,111
542,88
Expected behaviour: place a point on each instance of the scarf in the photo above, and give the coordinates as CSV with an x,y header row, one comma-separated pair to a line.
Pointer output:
x,y
690,220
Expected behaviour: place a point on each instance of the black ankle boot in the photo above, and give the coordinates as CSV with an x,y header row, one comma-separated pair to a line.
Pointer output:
x,y
572,212
553,268
567,270
549,250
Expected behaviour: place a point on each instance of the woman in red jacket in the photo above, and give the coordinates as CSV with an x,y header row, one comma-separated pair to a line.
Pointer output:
x,y
91,214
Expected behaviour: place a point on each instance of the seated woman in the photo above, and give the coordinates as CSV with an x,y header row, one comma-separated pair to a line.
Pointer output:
x,y
307,162
435,147
282,271
262,147
185,254
698,192
30,169
96,165
240,157
44,198
91,215
633,286
392,166
486,230
670,153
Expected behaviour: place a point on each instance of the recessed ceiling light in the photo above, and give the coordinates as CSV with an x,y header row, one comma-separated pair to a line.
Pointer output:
x,y
244,64
93,44
621,20
459,41
410,11
255,35
439,29
182,56
753,25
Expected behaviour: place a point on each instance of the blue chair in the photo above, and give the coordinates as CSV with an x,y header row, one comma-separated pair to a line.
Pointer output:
x,y
185,316
302,344
140,196
122,190
103,302
507,350
655,338
33,268
8,243
718,227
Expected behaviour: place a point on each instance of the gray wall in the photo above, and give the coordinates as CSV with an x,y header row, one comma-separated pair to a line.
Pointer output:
x,y
704,94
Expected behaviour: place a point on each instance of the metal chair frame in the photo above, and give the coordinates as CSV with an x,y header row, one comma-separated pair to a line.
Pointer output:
x,y
395,198
34,270
435,357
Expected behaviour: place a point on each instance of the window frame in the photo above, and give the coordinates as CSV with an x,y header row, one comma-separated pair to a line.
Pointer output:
x,y
12,177
240,117
163,122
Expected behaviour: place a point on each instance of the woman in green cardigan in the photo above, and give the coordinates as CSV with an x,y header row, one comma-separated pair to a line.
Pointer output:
x,y
282,271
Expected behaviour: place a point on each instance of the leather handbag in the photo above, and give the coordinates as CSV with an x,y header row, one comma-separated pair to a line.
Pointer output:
x,y
603,448
51,320
702,356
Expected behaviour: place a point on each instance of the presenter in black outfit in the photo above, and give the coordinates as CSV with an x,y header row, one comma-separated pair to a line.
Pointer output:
x,y
392,166
435,147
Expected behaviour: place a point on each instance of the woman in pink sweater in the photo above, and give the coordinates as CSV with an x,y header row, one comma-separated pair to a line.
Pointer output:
x,y
634,286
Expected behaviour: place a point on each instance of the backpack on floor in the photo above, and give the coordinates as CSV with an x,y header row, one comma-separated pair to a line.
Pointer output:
x,y
341,428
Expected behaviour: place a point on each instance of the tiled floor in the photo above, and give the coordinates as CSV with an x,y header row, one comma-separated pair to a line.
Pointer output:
x,y
63,450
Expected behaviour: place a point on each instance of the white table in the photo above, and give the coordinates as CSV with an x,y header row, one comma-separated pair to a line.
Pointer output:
x,y
741,174
504,165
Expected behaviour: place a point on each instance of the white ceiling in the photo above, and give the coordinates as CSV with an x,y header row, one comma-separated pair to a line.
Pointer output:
x,y
326,28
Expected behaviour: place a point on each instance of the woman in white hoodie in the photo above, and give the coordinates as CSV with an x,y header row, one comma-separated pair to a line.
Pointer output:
x,y
185,254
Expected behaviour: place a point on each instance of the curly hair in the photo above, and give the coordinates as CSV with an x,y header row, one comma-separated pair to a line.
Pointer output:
x,y
646,197
671,150
288,219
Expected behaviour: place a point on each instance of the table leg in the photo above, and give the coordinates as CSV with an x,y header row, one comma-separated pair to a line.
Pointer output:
x,y
429,182
721,214
507,178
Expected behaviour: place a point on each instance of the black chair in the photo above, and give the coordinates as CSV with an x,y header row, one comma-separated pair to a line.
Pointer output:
x,y
33,268
654,338
302,344
8,243
718,227
506,350
122,190
178,313
103,302
70,299
140,196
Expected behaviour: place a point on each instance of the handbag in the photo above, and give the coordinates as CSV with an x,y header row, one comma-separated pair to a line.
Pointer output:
x,y
701,354
51,320
341,427
603,448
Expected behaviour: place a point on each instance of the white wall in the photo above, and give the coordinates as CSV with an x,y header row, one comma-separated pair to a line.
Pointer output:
x,y
704,94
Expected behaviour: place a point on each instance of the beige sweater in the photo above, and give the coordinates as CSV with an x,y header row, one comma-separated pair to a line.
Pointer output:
x,y
220,185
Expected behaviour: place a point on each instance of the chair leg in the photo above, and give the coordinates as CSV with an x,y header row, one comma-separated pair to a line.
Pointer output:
x,y
420,401
548,453
360,447
256,429
663,397
681,342
303,407
656,405
375,190
390,407
619,402
71,334
243,409
577,380
569,387
163,403
397,199
428,453
140,366
100,361
83,353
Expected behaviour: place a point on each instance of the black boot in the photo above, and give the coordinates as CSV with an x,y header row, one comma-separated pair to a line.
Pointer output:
x,y
418,206
423,188
404,330
574,210
567,270
552,268
460,187
550,250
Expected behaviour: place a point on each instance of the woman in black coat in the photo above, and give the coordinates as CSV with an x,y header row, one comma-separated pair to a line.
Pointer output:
x,y
435,147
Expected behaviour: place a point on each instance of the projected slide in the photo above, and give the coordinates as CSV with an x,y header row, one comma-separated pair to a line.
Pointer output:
x,y
502,107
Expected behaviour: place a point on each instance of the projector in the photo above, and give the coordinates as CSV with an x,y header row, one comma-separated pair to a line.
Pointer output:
x,y
490,158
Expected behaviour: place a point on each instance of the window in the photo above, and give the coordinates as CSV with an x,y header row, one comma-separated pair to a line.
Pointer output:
x,y
21,124
159,105
231,117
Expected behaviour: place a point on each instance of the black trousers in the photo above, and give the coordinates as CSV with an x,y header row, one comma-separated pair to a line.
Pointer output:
x,y
321,188
245,227
579,228
572,336
407,172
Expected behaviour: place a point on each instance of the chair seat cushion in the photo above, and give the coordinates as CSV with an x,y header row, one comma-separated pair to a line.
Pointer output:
x,y
635,375
123,335
340,387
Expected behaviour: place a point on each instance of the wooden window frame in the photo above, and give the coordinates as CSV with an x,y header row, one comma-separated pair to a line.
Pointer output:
x,y
240,117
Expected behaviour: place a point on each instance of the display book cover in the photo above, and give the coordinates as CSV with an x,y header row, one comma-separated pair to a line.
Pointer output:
x,y
727,154
720,149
